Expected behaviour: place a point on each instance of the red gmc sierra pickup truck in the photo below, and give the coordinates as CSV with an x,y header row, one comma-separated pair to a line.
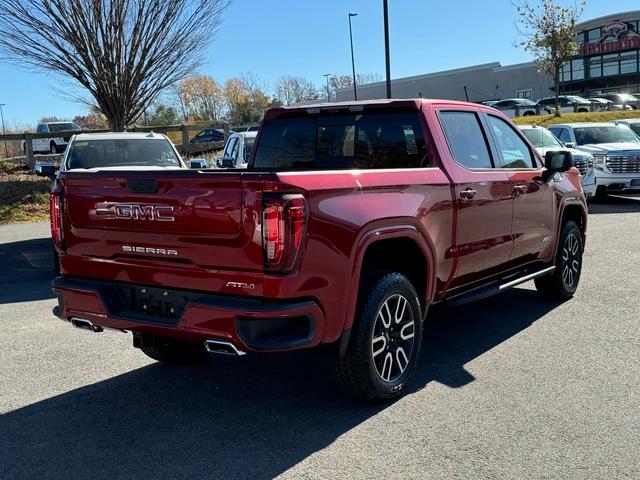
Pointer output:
x,y
349,222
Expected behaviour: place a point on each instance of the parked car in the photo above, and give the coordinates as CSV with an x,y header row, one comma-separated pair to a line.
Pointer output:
x,y
209,135
350,221
568,103
604,104
632,123
237,150
622,99
544,141
615,149
513,107
53,143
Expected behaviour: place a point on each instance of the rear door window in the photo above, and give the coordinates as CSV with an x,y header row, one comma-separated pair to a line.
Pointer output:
x,y
465,138
362,141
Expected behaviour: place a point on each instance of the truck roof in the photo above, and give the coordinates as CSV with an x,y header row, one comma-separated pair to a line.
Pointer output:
x,y
120,136
392,103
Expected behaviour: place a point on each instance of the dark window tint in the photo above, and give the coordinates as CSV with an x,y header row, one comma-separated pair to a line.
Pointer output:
x,y
514,152
466,140
370,140
565,135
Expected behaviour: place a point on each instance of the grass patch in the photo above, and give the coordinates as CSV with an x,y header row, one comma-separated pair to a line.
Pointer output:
x,y
546,120
24,197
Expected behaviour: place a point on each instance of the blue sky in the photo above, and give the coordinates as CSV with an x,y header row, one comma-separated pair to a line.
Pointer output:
x,y
311,37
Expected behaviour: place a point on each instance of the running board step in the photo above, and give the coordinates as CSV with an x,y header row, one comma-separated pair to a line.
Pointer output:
x,y
497,287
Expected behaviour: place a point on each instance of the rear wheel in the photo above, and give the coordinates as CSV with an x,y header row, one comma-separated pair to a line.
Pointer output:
x,y
176,353
385,343
563,282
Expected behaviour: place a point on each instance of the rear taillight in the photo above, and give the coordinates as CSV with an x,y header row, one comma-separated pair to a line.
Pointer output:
x,y
283,226
55,218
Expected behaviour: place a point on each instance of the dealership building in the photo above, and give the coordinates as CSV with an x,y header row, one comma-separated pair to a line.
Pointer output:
x,y
606,61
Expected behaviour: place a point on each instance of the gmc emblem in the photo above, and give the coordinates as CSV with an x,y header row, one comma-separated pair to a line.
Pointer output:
x,y
134,211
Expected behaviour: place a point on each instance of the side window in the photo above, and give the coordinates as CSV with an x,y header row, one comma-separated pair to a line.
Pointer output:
x,y
565,136
234,152
230,146
465,138
40,129
514,152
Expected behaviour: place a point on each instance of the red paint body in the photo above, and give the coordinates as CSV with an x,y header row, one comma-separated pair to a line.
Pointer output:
x,y
218,239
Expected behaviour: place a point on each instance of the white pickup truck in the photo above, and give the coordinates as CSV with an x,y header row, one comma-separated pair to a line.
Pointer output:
x,y
237,150
54,143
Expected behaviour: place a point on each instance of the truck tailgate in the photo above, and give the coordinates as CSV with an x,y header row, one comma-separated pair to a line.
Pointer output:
x,y
183,219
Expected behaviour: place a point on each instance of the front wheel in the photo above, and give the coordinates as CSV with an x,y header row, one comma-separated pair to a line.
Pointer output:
x,y
563,282
385,344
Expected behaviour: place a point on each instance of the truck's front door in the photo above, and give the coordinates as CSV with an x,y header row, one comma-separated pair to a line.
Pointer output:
x,y
483,237
534,207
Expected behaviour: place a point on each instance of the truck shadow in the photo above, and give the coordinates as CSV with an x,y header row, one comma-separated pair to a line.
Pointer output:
x,y
615,204
251,417
27,270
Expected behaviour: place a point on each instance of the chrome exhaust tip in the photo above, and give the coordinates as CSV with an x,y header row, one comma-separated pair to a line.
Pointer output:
x,y
85,324
222,347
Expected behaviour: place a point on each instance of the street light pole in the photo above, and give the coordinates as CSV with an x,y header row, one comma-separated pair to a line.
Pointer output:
x,y
386,47
6,152
327,76
353,62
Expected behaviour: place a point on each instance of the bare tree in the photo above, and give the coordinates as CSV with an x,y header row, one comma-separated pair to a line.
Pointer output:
x,y
123,52
547,29
338,82
295,89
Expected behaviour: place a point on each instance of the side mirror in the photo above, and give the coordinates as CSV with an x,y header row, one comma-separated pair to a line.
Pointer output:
x,y
558,161
227,162
570,144
198,163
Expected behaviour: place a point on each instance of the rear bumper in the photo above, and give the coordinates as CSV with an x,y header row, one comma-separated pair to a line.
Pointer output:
x,y
250,324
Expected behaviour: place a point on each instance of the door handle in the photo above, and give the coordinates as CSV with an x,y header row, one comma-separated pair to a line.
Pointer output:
x,y
468,194
519,189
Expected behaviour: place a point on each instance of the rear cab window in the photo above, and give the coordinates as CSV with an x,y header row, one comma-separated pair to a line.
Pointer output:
x,y
100,153
367,140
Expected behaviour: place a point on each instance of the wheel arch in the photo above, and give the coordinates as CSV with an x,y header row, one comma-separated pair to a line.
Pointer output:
x,y
400,246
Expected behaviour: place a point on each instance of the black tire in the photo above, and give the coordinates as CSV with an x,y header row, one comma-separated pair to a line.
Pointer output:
x,y
53,148
362,370
176,353
564,280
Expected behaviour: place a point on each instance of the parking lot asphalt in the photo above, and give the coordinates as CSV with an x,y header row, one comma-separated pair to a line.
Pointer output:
x,y
509,387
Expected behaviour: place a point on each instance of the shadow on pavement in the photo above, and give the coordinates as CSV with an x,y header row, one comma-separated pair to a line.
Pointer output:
x,y
26,270
251,417
615,204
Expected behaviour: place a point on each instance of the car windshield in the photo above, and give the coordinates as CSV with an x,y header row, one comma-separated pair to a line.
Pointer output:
x,y
63,127
605,134
122,153
575,99
541,138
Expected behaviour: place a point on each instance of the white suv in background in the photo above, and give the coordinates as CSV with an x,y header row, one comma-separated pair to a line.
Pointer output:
x,y
544,141
568,104
54,143
615,150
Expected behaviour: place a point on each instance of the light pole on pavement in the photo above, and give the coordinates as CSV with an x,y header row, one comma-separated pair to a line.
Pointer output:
x,y
386,47
353,62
